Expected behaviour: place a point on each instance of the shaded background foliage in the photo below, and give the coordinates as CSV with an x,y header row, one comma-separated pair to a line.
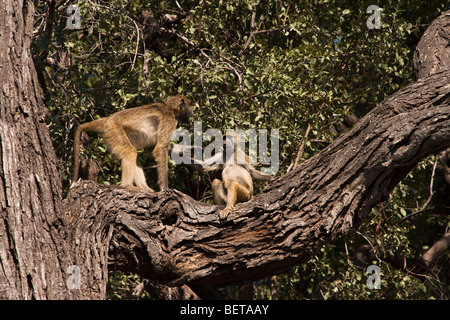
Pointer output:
x,y
254,64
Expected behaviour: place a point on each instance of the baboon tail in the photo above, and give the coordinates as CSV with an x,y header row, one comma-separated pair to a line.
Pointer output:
x,y
258,175
96,125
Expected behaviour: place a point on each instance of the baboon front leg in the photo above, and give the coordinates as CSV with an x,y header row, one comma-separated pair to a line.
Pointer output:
x,y
128,168
161,157
235,193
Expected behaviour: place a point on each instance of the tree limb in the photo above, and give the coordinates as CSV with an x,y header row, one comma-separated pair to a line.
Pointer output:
x,y
437,250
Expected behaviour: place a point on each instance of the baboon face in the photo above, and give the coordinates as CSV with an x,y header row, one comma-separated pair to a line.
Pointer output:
x,y
232,140
181,107
185,111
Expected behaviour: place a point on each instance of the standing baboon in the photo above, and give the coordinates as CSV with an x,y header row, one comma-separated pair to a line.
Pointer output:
x,y
147,127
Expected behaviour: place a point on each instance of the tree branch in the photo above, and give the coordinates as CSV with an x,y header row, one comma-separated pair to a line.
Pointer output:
x,y
437,250
252,28
425,205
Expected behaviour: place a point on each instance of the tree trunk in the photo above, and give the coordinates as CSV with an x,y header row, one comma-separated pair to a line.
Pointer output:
x,y
30,184
167,236
34,248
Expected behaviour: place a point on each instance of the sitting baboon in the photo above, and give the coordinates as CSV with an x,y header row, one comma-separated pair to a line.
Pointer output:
x,y
237,173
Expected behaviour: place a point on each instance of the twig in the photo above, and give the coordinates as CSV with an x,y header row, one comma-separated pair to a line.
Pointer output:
x,y
137,43
424,206
252,28
187,41
235,72
179,7
371,245
301,148
266,31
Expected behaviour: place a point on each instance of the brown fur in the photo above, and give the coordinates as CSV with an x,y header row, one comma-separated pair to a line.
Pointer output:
x,y
236,185
147,127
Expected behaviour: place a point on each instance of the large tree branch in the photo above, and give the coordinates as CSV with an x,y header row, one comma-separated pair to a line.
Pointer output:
x,y
432,52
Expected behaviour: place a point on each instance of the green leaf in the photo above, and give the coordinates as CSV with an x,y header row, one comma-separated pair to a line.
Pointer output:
x,y
403,212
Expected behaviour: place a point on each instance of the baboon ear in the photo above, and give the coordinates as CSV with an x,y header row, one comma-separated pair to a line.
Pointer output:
x,y
182,105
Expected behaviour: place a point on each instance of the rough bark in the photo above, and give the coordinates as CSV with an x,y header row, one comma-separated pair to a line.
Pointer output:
x,y
35,252
433,51
30,184
168,236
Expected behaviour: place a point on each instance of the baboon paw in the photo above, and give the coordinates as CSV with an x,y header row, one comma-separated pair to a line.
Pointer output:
x,y
223,214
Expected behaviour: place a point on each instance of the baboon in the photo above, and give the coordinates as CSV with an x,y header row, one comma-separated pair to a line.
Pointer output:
x,y
147,127
237,172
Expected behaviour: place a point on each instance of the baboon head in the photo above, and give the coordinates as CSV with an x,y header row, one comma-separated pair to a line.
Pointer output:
x,y
181,107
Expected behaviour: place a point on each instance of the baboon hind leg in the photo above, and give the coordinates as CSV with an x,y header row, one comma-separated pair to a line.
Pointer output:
x,y
133,176
139,178
219,192
235,193
128,168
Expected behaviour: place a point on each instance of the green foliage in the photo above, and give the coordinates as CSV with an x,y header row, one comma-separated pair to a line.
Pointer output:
x,y
297,63
121,286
